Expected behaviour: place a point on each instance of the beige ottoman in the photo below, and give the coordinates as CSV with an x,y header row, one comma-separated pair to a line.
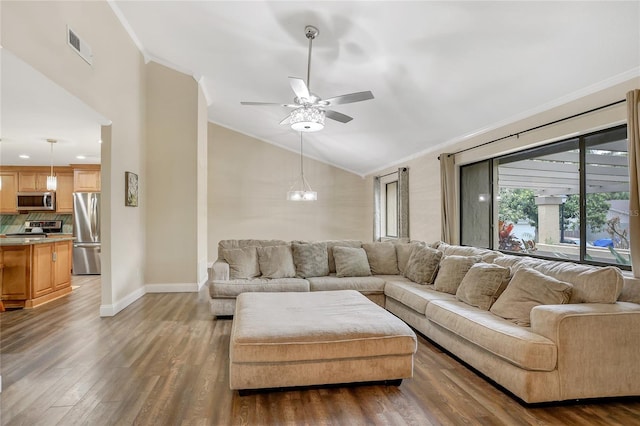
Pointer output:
x,y
324,337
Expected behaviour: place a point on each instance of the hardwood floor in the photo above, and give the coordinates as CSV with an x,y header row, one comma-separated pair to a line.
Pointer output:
x,y
163,360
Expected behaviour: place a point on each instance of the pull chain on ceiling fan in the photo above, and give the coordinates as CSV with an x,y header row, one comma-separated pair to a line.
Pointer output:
x,y
309,110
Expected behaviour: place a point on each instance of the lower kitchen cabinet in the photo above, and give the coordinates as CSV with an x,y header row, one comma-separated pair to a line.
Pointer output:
x,y
36,273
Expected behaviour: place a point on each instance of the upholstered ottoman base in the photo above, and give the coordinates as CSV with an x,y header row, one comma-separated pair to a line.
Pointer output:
x,y
328,337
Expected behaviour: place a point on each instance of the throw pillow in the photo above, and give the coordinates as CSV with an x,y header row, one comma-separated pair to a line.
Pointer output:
x,y
452,271
351,262
339,243
403,252
276,262
529,288
482,285
382,258
423,265
311,259
243,262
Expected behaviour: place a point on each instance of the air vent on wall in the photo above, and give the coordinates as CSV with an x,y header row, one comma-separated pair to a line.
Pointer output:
x,y
79,46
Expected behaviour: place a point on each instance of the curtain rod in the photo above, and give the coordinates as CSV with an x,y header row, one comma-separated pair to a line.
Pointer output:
x,y
391,173
517,135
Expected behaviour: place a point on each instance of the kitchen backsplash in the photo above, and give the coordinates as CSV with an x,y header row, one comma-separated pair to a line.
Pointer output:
x,y
11,224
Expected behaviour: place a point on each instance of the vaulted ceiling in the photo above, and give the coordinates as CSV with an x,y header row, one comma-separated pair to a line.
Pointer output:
x,y
438,70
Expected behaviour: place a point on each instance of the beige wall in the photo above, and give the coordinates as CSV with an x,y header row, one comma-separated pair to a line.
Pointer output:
x,y
175,140
201,202
248,182
424,170
114,87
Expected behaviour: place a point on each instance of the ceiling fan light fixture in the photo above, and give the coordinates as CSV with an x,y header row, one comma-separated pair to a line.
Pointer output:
x,y
307,119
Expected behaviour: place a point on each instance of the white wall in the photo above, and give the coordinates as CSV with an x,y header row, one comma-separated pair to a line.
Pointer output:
x,y
114,87
424,170
248,182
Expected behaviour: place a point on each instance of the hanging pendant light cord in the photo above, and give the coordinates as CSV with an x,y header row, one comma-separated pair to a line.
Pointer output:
x,y
51,157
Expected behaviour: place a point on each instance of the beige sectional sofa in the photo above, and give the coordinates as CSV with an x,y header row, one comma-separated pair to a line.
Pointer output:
x,y
583,344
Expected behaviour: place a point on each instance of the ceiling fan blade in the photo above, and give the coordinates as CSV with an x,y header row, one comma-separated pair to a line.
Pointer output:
x,y
269,103
338,116
299,87
350,98
286,120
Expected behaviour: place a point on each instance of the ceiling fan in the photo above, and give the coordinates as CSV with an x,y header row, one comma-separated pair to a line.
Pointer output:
x,y
309,109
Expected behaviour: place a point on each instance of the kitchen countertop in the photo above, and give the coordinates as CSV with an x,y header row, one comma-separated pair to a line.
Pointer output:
x,y
29,241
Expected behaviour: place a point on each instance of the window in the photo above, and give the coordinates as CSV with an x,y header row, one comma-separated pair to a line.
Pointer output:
x,y
391,201
391,205
566,200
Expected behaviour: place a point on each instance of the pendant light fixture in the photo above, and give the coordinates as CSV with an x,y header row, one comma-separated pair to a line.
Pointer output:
x,y
301,190
52,181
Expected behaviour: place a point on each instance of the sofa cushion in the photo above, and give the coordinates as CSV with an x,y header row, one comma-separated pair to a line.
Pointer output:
x,y
338,243
311,259
631,290
361,284
517,345
276,262
483,284
232,288
591,284
423,265
243,262
413,295
235,244
382,258
529,288
351,262
452,270
403,252
486,254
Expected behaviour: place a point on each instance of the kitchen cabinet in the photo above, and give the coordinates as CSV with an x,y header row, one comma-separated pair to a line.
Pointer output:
x,y
35,273
64,193
86,180
61,264
8,192
15,274
42,273
32,181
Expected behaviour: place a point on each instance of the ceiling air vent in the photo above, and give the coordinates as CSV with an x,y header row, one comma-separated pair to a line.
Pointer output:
x,y
79,46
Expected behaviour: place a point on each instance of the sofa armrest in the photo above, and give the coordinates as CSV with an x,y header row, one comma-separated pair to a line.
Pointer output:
x,y
219,271
598,347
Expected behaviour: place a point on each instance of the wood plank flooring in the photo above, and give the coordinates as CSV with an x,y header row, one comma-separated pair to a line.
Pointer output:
x,y
164,361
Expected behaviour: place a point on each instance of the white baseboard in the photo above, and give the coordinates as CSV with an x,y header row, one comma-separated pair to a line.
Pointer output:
x,y
111,310
173,288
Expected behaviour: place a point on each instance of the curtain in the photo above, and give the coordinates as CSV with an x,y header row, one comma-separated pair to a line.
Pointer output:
x,y
633,132
403,202
448,198
376,209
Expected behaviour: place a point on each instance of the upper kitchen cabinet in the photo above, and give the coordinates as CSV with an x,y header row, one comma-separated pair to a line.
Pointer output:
x,y
86,178
8,192
32,181
64,193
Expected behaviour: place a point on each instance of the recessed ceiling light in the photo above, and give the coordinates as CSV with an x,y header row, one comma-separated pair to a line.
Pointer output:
x,y
80,157
99,140
25,156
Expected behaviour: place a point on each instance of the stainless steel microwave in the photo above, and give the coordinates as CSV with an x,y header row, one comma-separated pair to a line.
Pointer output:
x,y
36,201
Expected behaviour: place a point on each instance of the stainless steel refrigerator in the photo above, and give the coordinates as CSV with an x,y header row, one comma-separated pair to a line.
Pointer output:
x,y
86,230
